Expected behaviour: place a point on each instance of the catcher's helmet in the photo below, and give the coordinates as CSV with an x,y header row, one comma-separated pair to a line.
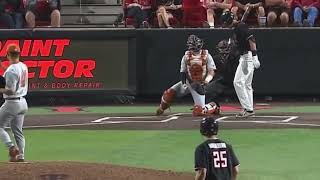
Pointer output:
x,y
194,43
209,126
227,17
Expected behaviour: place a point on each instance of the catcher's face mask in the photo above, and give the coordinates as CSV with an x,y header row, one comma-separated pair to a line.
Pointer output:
x,y
194,44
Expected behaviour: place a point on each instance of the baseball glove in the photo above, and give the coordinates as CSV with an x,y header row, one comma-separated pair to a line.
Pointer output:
x,y
2,82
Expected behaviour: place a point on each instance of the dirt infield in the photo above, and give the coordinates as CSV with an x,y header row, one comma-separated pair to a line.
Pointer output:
x,y
85,171
82,171
170,121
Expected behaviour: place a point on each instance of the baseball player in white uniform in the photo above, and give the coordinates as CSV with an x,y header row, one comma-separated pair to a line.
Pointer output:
x,y
15,106
197,70
247,63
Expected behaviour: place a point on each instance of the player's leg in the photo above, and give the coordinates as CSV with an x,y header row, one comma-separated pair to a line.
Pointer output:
x,y
199,98
16,127
240,85
213,92
5,118
249,89
169,95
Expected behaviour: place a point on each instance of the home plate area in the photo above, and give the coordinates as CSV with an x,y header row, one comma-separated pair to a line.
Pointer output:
x,y
170,121
258,119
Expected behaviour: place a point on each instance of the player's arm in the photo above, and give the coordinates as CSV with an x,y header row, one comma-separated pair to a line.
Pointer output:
x,y
11,83
253,48
211,69
235,164
201,174
235,172
200,164
183,71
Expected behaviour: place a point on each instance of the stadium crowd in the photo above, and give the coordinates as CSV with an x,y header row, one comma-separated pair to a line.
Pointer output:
x,y
199,13
15,14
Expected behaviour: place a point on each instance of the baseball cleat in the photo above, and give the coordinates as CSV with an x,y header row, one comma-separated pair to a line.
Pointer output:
x,y
20,160
212,109
13,153
198,111
244,114
159,111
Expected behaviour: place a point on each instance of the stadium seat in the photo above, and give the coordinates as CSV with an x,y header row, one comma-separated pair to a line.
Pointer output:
x,y
194,13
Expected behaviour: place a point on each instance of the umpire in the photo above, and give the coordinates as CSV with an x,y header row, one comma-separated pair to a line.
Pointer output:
x,y
214,158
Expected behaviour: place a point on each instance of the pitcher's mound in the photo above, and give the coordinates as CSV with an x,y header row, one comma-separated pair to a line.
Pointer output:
x,y
82,171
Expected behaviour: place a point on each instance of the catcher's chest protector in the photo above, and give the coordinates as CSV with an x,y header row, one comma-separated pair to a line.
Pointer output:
x,y
197,66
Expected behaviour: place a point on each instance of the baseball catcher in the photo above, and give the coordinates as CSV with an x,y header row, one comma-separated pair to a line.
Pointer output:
x,y
197,70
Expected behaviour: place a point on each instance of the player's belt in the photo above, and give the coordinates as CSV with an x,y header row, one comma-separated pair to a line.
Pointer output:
x,y
244,52
14,98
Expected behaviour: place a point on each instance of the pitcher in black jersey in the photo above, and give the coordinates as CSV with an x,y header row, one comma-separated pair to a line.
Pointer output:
x,y
214,158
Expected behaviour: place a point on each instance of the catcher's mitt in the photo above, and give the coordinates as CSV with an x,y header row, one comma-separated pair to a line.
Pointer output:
x,y
2,82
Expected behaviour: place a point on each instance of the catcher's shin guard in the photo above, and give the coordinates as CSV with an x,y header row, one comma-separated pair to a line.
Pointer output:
x,y
198,111
166,100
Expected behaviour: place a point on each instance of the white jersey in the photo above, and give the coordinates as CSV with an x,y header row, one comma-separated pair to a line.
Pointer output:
x,y
16,80
197,65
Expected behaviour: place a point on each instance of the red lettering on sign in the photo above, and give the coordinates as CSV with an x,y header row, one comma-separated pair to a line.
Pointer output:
x,y
26,48
84,68
3,52
63,69
60,45
44,68
41,48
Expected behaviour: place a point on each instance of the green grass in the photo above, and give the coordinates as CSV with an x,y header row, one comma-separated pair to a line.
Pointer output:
x,y
284,154
293,109
108,109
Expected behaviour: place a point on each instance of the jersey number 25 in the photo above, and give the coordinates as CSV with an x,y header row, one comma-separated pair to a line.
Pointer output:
x,y
220,159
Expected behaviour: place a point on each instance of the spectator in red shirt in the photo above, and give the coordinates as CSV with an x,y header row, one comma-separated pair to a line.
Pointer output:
x,y
43,10
278,9
140,11
11,14
166,10
215,8
308,7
